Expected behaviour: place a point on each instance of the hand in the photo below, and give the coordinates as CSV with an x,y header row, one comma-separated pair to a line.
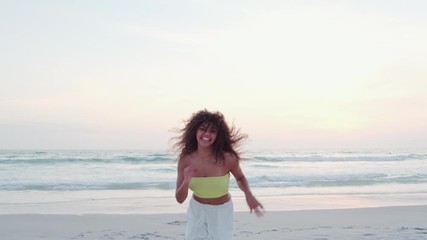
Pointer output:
x,y
254,205
189,173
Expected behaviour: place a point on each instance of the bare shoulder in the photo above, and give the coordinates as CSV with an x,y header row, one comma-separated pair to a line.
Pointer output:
x,y
231,161
184,161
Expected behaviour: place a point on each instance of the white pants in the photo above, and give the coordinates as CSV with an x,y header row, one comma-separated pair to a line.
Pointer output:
x,y
213,222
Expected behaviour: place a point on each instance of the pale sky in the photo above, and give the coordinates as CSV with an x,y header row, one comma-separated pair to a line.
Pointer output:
x,y
291,74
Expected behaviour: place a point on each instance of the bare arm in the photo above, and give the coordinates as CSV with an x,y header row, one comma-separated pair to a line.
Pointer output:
x,y
182,181
243,184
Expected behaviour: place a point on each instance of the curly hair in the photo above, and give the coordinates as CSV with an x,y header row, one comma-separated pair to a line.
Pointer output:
x,y
227,141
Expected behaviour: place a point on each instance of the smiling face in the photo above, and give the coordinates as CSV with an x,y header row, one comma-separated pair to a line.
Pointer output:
x,y
206,134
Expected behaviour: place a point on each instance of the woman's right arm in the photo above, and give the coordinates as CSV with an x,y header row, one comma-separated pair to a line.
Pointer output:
x,y
182,181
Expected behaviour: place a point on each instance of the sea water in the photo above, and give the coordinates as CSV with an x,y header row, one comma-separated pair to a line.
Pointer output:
x,y
101,181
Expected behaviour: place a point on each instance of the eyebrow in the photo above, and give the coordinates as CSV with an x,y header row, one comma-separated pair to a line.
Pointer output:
x,y
209,125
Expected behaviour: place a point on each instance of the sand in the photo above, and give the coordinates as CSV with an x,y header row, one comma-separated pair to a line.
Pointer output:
x,y
402,222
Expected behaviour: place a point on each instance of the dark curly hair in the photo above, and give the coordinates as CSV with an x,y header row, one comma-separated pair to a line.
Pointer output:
x,y
227,140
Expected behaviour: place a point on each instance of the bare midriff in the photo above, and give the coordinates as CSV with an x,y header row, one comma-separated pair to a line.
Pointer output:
x,y
213,201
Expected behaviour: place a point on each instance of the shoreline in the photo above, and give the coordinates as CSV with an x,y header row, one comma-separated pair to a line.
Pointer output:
x,y
398,222
143,202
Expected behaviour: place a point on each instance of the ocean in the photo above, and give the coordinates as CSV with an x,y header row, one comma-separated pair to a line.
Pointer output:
x,y
101,181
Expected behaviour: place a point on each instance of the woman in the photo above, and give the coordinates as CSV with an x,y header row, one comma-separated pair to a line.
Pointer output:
x,y
207,157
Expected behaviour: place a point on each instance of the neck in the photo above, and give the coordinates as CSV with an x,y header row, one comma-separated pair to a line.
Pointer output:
x,y
204,152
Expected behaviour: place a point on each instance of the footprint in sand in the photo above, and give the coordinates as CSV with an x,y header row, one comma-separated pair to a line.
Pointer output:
x,y
176,223
147,236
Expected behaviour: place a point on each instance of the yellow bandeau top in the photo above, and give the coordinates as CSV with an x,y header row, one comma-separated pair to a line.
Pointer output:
x,y
210,187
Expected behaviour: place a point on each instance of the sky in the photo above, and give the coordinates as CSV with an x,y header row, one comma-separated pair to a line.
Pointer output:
x,y
103,74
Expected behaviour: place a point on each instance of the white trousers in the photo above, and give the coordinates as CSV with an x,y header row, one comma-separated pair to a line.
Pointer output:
x,y
213,222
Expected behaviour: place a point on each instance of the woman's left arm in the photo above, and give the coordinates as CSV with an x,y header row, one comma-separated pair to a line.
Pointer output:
x,y
242,182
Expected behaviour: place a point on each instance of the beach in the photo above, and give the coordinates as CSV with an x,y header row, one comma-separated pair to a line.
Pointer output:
x,y
363,194
400,222
321,103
